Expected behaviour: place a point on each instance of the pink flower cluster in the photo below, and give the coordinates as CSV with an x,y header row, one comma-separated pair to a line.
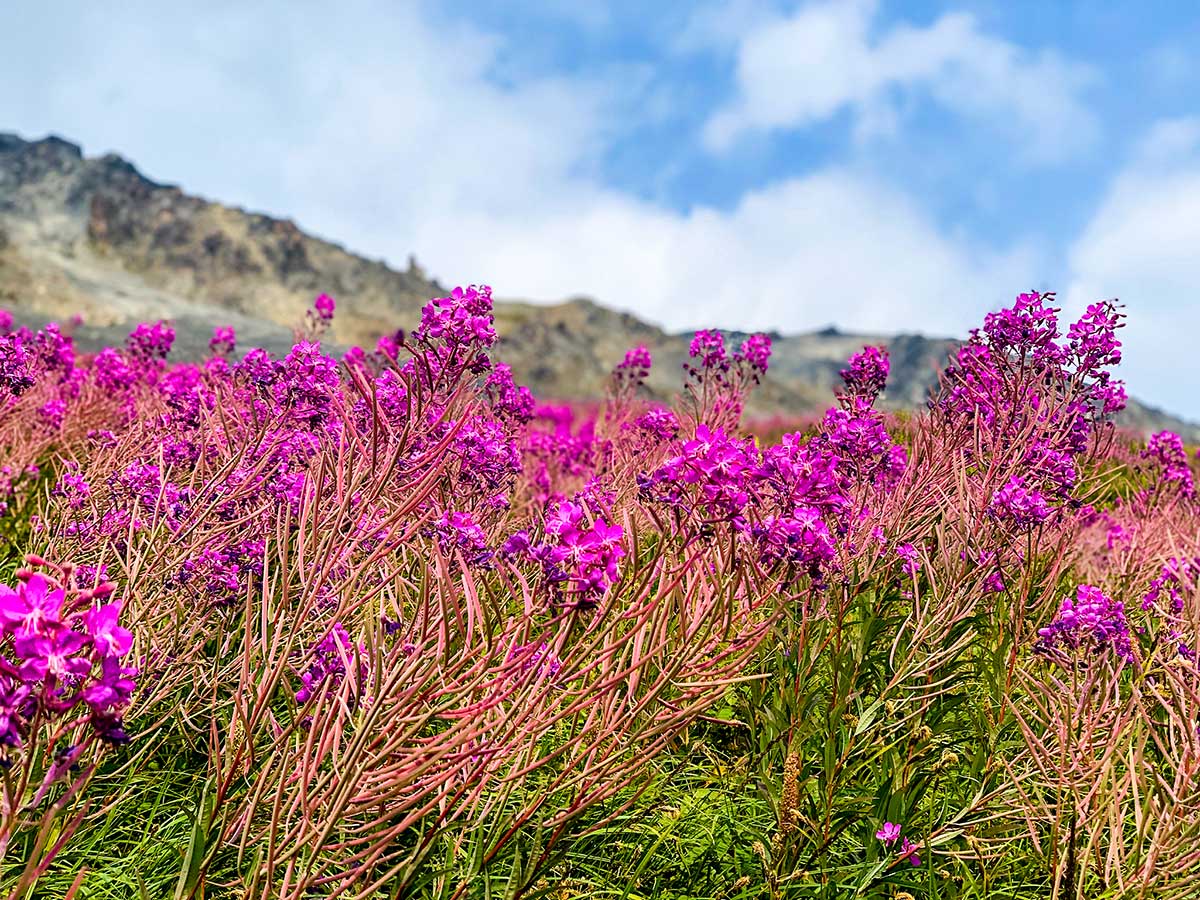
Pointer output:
x,y
458,533
579,554
867,372
328,662
1166,449
61,647
889,834
1091,623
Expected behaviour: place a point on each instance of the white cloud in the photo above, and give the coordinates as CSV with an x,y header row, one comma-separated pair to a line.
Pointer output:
x,y
834,246
381,128
798,70
1143,246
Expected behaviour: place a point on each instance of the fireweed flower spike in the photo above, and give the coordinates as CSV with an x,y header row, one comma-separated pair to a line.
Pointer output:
x,y
324,306
223,341
58,638
890,833
867,372
1088,625
33,609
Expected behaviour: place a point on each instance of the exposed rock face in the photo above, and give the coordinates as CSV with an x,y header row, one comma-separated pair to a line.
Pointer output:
x,y
94,237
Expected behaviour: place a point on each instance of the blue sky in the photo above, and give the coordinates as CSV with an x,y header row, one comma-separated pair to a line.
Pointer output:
x,y
878,165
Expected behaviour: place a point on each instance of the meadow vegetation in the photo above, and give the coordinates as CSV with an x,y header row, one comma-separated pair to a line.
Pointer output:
x,y
386,626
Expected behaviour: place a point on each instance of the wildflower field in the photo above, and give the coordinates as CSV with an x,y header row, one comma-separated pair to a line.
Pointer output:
x,y
385,626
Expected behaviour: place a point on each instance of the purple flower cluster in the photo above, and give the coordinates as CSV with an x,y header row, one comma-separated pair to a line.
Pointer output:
x,y
536,659
462,319
579,556
52,413
509,401
144,483
718,383
858,437
112,371
223,341
306,383
1092,623
324,306
755,352
637,360
792,500
149,344
489,459
328,662
1092,340
187,394
218,573
801,538
798,473
565,450
17,373
717,466
59,649
630,374
72,488
389,403
708,348
1166,448
889,834
658,424
1022,507
1178,578
457,532
867,372
1018,353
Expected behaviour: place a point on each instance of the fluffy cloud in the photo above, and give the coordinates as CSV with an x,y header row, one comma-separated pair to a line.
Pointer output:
x,y
835,246
384,127
1143,246
798,70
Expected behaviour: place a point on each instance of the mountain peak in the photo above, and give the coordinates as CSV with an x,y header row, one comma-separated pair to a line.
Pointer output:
x,y
50,145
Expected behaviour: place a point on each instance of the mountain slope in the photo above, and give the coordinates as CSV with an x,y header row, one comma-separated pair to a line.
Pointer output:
x,y
95,237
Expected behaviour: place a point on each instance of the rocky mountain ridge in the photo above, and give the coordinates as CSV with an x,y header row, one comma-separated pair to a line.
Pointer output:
x,y
92,236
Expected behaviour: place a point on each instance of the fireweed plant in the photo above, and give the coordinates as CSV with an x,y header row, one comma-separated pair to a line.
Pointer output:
x,y
387,626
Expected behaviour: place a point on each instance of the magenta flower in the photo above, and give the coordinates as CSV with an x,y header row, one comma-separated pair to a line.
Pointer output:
x,y
1025,508
324,305
31,608
52,655
458,532
108,637
890,833
150,343
327,662
113,688
708,346
14,702
537,659
1091,623
637,358
867,372
755,350
223,341
911,557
